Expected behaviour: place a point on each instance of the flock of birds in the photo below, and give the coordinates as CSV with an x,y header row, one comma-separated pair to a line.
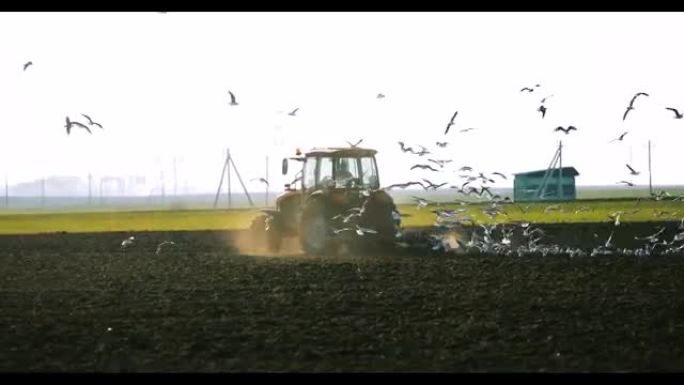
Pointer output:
x,y
449,222
449,219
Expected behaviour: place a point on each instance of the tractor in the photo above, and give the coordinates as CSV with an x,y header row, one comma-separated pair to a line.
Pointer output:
x,y
339,202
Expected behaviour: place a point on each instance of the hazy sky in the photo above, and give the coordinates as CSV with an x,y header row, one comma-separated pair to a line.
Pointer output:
x,y
158,84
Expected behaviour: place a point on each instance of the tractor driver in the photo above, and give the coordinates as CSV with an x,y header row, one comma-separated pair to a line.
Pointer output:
x,y
343,174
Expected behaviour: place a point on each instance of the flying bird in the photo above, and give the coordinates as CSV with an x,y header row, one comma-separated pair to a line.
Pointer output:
x,y
440,162
628,183
355,144
499,174
677,114
544,100
128,242
30,63
466,129
565,130
442,144
293,112
466,168
404,185
165,243
262,180
451,123
631,170
90,121
542,109
232,99
380,96
431,185
528,89
631,104
70,124
423,166
620,137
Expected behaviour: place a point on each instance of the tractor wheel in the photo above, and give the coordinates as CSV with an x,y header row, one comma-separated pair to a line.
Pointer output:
x,y
314,232
380,214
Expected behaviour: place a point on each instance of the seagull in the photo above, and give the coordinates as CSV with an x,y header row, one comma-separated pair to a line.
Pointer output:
x,y
631,104
90,121
355,144
440,162
466,129
542,109
380,96
293,112
652,238
528,89
232,99
608,243
161,245
431,185
262,180
499,174
128,242
620,137
544,100
466,168
406,149
565,130
69,124
451,123
404,185
628,183
677,114
30,63
441,144
631,170
423,166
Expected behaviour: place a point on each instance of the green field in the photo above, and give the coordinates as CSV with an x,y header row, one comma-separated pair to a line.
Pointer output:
x,y
168,220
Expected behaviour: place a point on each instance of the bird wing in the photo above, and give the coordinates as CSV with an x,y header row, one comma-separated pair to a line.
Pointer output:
x,y
87,117
630,168
454,117
294,111
673,110
82,126
571,128
626,112
232,97
559,128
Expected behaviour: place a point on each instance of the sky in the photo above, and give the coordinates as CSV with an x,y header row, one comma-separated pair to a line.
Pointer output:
x,y
158,84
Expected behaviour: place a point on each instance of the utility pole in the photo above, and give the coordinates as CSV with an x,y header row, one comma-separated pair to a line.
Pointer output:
x,y
230,195
560,169
226,169
90,189
42,192
650,184
175,178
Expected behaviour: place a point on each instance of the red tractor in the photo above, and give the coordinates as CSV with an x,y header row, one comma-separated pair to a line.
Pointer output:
x,y
339,202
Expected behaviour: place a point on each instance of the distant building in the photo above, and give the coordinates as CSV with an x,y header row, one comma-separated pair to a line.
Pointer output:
x,y
543,185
